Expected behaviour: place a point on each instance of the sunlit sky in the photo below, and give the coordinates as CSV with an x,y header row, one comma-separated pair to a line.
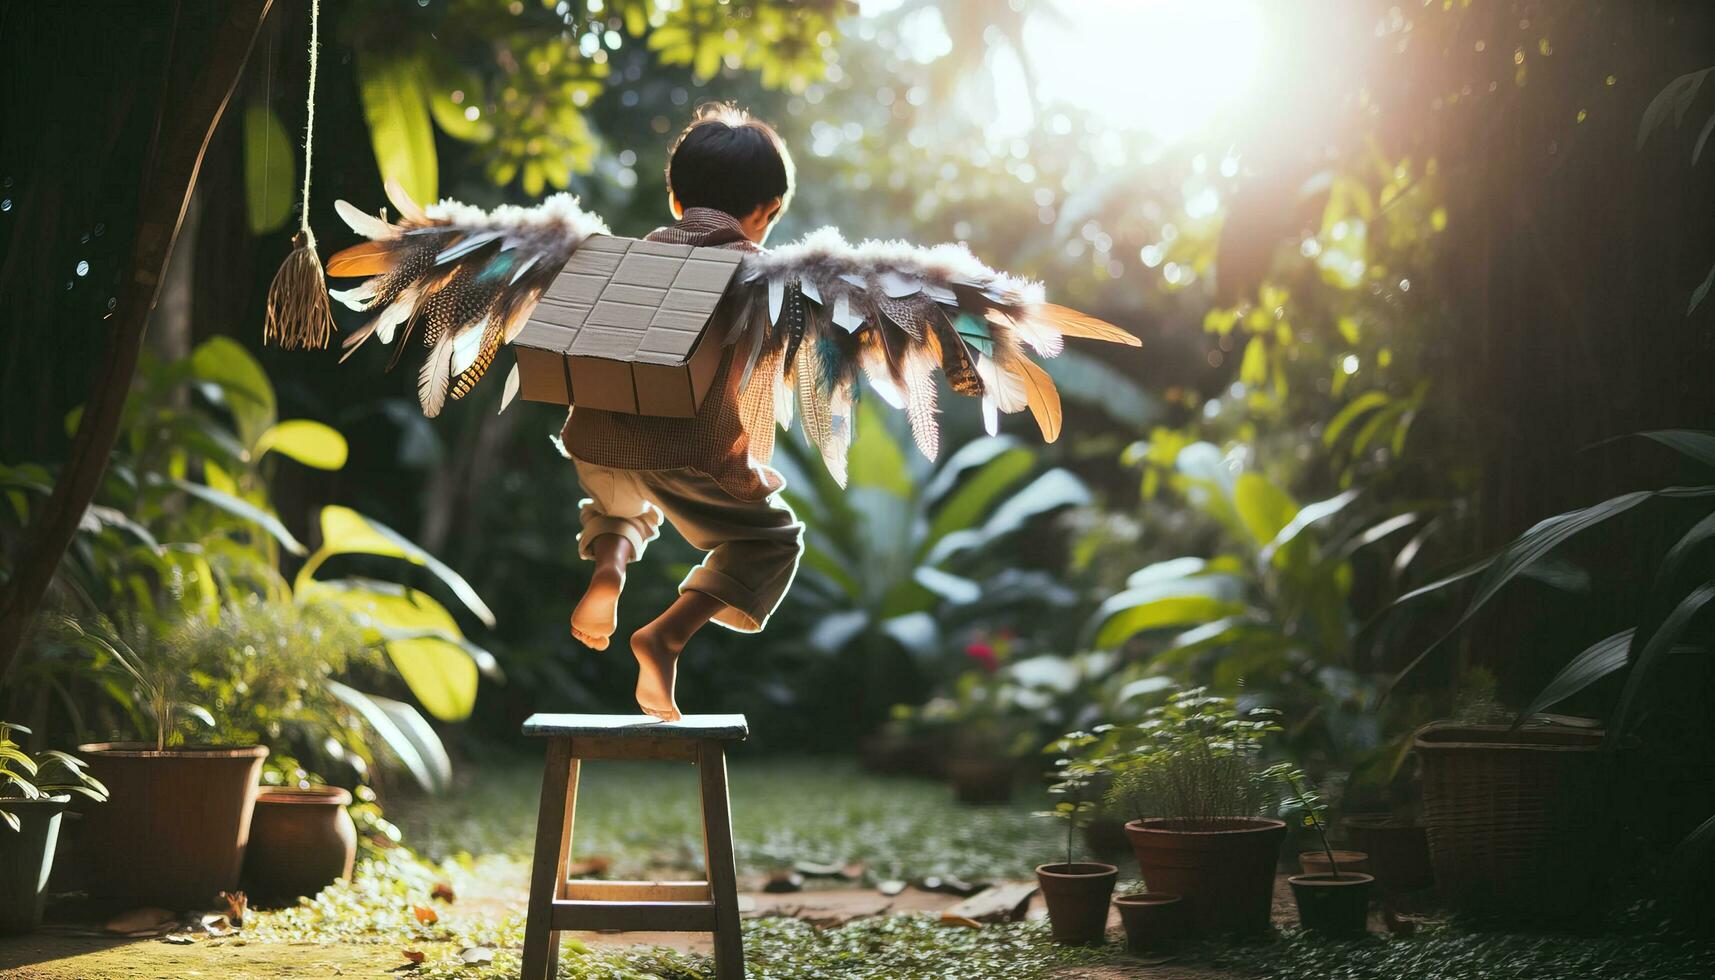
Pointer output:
x,y
1169,68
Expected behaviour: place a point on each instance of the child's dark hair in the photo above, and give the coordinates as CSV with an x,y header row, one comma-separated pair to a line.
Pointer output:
x,y
728,160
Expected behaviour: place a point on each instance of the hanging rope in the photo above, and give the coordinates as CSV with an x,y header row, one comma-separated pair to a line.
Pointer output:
x,y
298,313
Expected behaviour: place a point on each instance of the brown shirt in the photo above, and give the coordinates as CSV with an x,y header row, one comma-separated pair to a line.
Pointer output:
x,y
714,441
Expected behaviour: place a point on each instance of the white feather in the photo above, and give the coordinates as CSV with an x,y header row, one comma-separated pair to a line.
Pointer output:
x,y
776,299
467,345
991,417
356,298
844,316
511,390
1005,387
395,314
367,225
434,376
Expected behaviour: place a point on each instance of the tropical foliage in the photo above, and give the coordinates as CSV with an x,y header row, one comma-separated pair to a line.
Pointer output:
x,y
41,775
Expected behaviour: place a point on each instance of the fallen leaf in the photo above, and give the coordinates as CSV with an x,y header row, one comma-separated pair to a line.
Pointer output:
x,y
949,919
178,939
144,920
216,925
476,954
427,916
414,955
443,891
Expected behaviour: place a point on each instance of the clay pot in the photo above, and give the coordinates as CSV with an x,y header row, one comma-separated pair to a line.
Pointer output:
x,y
26,857
301,841
1398,850
1077,898
173,831
1224,870
1154,921
981,779
1333,905
1316,862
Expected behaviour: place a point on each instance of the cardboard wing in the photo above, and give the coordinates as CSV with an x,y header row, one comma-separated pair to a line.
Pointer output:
x,y
625,328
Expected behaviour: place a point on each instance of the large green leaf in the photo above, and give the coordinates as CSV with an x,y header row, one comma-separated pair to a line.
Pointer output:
x,y
441,675
310,443
1694,443
1518,556
345,531
966,505
420,637
876,459
239,507
1367,402
245,386
1673,100
1164,604
396,107
269,173
1051,491
1661,644
404,732
1602,658
1264,508
1307,515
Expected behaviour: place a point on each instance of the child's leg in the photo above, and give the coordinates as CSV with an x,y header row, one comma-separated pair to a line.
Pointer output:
x,y
618,524
753,548
597,613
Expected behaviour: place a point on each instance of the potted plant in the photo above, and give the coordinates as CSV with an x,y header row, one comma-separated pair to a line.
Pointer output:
x,y
34,792
175,828
990,724
1076,892
1334,902
1190,772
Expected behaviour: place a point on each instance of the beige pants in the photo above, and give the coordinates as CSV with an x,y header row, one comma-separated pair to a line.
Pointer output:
x,y
753,546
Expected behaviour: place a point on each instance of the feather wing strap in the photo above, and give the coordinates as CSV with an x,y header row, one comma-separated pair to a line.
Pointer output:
x,y
468,277
897,313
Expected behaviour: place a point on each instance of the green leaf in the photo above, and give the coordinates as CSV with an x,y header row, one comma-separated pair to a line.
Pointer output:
x,y
310,443
1518,556
441,675
966,505
1173,612
11,821
1673,100
395,106
248,392
455,118
1052,490
243,509
1263,508
1661,643
1602,658
1161,571
413,742
1307,515
875,459
1701,293
269,173
1343,419
1694,443
345,531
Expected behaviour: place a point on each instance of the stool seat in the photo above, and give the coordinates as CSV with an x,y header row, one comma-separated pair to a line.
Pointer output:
x,y
725,728
559,904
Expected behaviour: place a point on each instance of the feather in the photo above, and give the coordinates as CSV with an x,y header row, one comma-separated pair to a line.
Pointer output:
x,y
991,416
920,406
363,259
467,344
1042,338
511,390
783,395
776,298
896,286
408,209
357,298
843,315
812,398
1006,388
1043,397
809,288
1074,324
432,378
367,225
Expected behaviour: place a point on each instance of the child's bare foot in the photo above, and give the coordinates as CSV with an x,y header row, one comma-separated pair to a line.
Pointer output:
x,y
657,667
597,614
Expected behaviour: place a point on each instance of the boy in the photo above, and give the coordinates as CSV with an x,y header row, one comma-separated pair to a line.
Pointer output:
x,y
729,179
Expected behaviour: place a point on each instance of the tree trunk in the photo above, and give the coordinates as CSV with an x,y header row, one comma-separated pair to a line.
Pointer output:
x,y
203,69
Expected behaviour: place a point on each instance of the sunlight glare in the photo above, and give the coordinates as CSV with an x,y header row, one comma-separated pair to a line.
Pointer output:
x,y
1167,67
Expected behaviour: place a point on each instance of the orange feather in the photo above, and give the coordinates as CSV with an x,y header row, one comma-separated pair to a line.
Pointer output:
x,y
1074,324
363,259
1043,397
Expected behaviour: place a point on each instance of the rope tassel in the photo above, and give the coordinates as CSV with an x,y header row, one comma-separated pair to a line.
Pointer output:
x,y
298,314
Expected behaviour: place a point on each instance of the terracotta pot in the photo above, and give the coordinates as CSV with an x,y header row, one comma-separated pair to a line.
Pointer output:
x,y
175,826
1398,850
1225,871
1333,905
1154,921
1316,862
26,858
301,841
981,779
1077,899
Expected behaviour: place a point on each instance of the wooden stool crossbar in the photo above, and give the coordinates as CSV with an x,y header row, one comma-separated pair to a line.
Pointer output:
x,y
559,904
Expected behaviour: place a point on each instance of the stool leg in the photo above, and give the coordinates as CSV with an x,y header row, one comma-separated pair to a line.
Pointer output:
x,y
718,856
548,866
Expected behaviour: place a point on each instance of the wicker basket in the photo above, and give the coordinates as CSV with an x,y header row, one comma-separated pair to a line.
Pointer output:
x,y
1512,818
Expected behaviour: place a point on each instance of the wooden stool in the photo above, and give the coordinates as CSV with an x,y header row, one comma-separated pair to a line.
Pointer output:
x,y
558,904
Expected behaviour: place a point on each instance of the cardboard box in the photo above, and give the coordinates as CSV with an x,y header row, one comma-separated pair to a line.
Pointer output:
x,y
624,328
